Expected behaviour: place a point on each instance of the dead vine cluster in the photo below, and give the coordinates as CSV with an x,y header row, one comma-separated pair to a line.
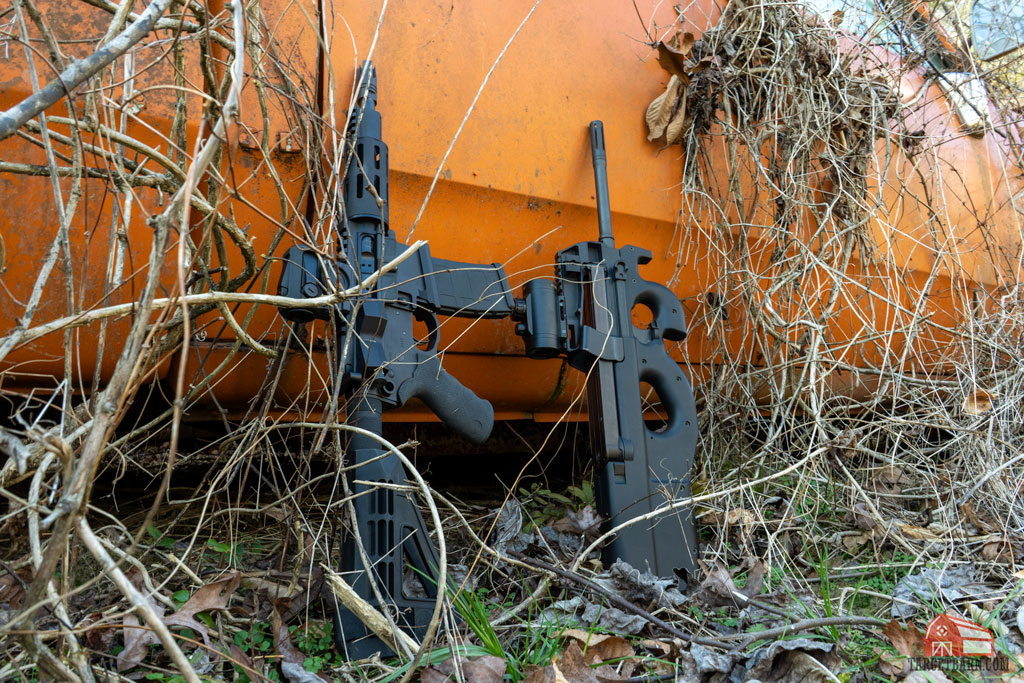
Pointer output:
x,y
903,390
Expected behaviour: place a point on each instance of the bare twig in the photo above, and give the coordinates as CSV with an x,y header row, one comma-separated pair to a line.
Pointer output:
x,y
138,602
80,71
396,639
214,298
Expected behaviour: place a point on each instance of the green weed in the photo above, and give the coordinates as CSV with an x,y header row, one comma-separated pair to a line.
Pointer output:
x,y
257,642
543,505
160,538
537,648
316,641
826,589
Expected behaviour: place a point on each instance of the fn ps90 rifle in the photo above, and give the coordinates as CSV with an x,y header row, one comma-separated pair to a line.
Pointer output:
x,y
585,314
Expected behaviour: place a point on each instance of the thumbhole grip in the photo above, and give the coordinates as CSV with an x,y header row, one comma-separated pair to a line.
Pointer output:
x,y
667,320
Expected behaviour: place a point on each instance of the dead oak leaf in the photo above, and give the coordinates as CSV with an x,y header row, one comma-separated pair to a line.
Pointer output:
x,y
799,659
854,541
485,669
568,667
584,522
243,661
600,648
908,642
719,589
659,112
547,674
211,597
863,518
1002,549
755,579
96,639
673,53
137,638
891,479
587,638
890,664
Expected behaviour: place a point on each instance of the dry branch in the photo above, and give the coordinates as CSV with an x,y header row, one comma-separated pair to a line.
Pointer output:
x,y
396,639
80,71
213,298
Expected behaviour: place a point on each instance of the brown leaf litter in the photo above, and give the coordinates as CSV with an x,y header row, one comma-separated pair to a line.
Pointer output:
x,y
137,638
575,665
485,669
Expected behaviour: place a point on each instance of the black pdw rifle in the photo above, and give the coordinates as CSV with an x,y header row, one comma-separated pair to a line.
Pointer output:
x,y
384,367
585,314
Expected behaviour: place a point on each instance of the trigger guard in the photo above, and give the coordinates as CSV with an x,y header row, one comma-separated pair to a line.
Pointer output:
x,y
430,320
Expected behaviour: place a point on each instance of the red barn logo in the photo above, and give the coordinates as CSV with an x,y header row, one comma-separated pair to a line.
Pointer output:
x,y
949,636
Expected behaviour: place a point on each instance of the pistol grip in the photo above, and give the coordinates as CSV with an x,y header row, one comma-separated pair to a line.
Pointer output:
x,y
303,276
468,415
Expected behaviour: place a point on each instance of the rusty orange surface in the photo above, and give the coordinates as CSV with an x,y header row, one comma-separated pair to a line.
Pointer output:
x,y
517,187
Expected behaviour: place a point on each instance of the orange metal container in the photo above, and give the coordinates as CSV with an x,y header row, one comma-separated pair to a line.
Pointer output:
x,y
516,187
